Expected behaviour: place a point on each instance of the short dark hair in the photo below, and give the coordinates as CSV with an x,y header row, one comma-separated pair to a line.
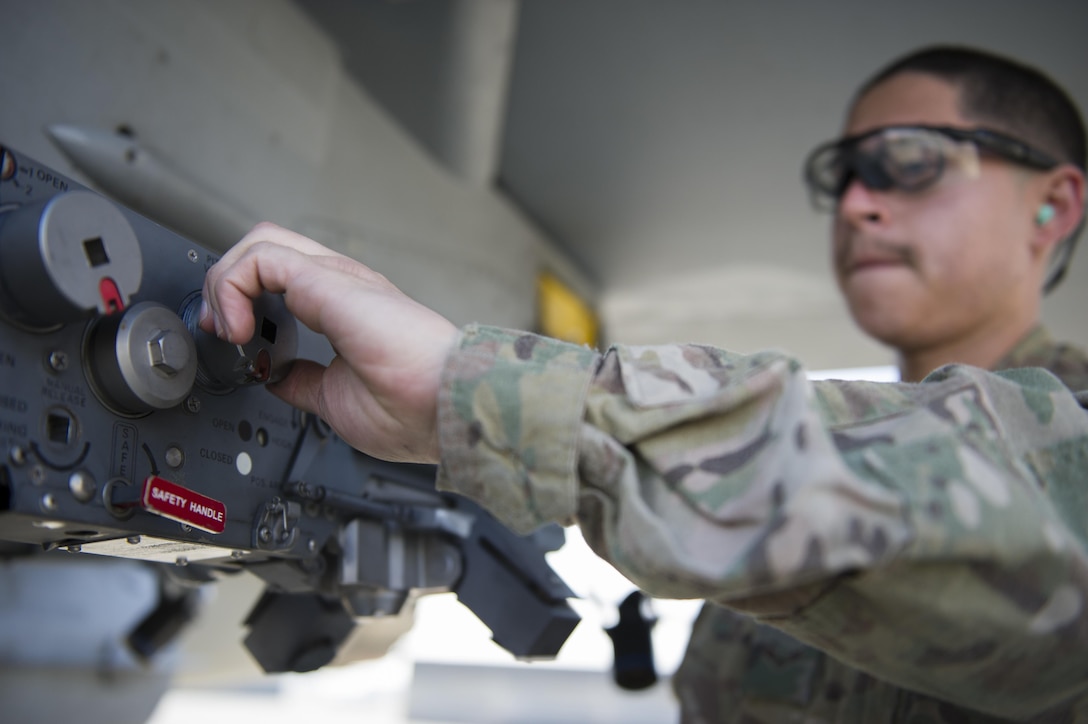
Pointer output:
x,y
1001,93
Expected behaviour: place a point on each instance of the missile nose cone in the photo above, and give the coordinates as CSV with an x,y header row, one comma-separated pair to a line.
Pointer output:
x,y
88,149
67,136
92,148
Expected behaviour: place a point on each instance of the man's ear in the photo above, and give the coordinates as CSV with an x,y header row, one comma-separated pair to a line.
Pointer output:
x,y
1061,207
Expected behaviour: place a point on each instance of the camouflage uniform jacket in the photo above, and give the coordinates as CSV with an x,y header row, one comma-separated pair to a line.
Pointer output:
x,y
932,535
737,669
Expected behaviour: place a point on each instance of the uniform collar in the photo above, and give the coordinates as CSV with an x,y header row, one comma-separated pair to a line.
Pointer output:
x,y
1030,351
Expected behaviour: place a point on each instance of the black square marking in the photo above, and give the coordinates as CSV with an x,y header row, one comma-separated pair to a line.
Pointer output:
x,y
95,251
59,428
268,330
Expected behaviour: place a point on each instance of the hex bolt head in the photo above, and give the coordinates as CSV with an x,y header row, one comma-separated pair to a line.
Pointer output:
x,y
167,352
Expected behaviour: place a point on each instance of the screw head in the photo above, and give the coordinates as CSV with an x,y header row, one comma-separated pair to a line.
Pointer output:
x,y
58,360
193,256
192,404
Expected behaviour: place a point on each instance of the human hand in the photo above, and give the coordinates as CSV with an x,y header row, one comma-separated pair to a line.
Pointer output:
x,y
379,393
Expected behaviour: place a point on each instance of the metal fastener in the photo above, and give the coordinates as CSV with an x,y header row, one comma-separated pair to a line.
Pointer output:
x,y
168,352
82,485
58,360
174,457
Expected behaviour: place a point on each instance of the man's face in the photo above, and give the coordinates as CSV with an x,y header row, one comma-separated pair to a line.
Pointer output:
x,y
950,261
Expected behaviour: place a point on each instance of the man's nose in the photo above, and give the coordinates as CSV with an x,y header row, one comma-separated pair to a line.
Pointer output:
x,y
861,205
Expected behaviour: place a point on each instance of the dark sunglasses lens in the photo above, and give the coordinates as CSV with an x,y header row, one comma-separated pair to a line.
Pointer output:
x,y
827,176
873,171
912,159
903,159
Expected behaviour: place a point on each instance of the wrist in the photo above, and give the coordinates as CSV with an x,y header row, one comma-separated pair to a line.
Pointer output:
x,y
510,410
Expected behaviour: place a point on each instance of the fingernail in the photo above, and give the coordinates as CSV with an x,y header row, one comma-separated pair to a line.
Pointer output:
x,y
220,328
204,311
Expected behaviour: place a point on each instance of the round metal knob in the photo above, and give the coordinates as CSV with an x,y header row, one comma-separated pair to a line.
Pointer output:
x,y
65,258
142,360
267,357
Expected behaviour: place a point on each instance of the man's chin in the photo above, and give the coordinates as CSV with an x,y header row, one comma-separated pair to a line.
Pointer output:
x,y
884,320
881,285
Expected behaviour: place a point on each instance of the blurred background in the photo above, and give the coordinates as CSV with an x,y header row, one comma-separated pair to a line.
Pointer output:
x,y
605,170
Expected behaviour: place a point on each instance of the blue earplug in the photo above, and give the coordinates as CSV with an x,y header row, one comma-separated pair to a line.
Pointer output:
x,y
1046,213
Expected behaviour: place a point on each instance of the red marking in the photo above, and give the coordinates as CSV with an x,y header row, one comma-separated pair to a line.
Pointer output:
x,y
112,300
264,366
172,501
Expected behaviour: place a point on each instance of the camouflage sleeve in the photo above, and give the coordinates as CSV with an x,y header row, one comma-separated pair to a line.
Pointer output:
x,y
930,534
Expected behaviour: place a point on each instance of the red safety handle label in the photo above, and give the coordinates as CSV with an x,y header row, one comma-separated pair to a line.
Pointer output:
x,y
175,502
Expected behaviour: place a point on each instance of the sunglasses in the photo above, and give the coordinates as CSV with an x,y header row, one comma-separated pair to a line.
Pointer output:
x,y
907,158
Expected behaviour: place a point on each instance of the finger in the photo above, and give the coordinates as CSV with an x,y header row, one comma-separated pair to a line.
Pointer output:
x,y
316,288
264,266
301,387
272,233
262,233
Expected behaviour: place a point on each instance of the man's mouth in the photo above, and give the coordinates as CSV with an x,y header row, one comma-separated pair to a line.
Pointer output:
x,y
855,257
872,262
